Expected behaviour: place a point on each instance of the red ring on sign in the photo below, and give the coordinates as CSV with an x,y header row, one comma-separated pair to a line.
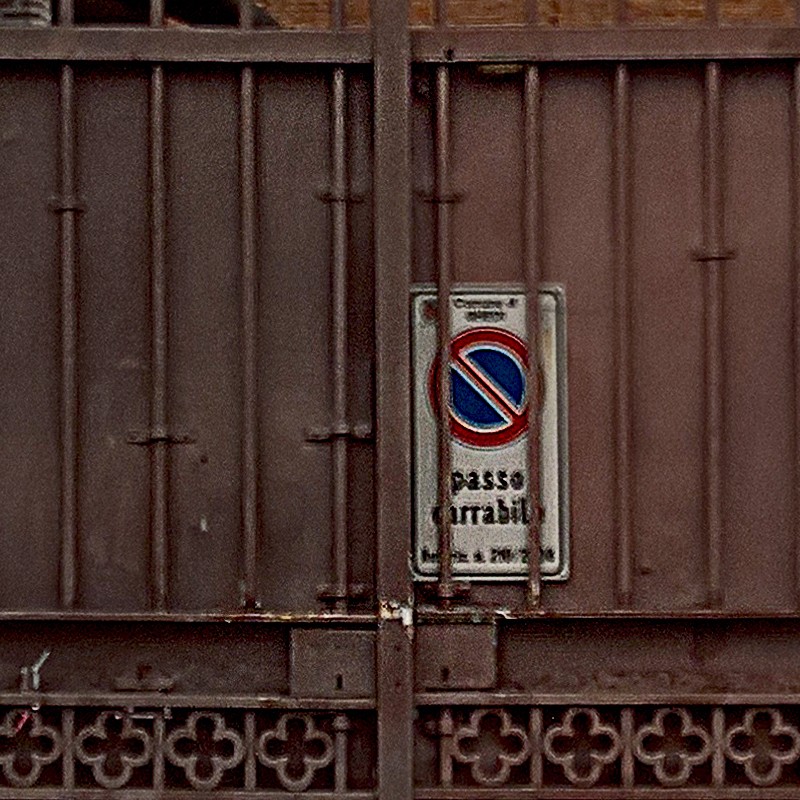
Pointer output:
x,y
518,418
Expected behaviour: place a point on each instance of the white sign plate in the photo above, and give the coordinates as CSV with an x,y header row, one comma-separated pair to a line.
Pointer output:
x,y
490,507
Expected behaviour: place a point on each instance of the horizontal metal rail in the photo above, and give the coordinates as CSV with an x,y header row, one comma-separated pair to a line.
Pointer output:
x,y
270,617
151,700
424,613
189,794
503,45
598,699
497,45
683,793
181,45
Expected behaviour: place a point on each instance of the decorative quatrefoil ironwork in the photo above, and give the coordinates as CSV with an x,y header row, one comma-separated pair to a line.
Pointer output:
x,y
582,744
113,747
296,749
764,744
491,744
673,745
205,748
27,745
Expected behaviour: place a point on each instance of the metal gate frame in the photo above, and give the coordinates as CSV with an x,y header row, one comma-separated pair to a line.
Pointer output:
x,y
392,49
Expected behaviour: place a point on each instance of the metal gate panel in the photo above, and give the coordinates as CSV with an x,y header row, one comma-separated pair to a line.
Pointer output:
x,y
759,377
575,131
203,335
114,342
487,154
198,336
666,315
656,381
30,442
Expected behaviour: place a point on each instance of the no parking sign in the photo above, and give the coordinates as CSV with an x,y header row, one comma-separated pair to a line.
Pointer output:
x,y
490,511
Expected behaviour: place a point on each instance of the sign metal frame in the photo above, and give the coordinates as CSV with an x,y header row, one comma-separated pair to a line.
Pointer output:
x,y
552,366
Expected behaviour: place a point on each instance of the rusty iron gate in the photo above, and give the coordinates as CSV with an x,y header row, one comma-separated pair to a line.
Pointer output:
x,y
208,242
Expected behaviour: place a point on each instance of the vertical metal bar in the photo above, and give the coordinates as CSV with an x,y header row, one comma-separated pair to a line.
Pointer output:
x,y
159,737
249,311
339,318
440,13
337,14
340,726
718,756
445,284
795,121
532,265
69,343
158,345
392,212
623,379
445,748
68,757
250,751
535,738
713,288
245,14
156,13
392,204
628,762
66,13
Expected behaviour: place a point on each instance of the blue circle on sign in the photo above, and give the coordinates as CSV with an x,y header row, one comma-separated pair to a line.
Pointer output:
x,y
490,396
488,382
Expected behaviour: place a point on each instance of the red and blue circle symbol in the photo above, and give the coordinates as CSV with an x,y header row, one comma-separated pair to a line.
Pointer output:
x,y
488,387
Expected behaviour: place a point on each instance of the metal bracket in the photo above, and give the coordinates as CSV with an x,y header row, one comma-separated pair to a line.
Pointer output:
x,y
158,436
360,432
26,12
431,591
456,656
704,256
30,679
62,205
330,593
333,197
442,199
500,70
331,663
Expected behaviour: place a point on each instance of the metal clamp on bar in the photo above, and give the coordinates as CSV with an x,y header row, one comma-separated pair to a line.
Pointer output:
x,y
66,203
338,197
329,593
159,436
360,432
25,13
704,256
456,591
439,198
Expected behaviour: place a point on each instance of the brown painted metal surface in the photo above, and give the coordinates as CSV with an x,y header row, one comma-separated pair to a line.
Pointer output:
x,y
208,239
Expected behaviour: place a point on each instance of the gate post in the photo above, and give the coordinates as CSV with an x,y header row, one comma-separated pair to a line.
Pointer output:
x,y
392,214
